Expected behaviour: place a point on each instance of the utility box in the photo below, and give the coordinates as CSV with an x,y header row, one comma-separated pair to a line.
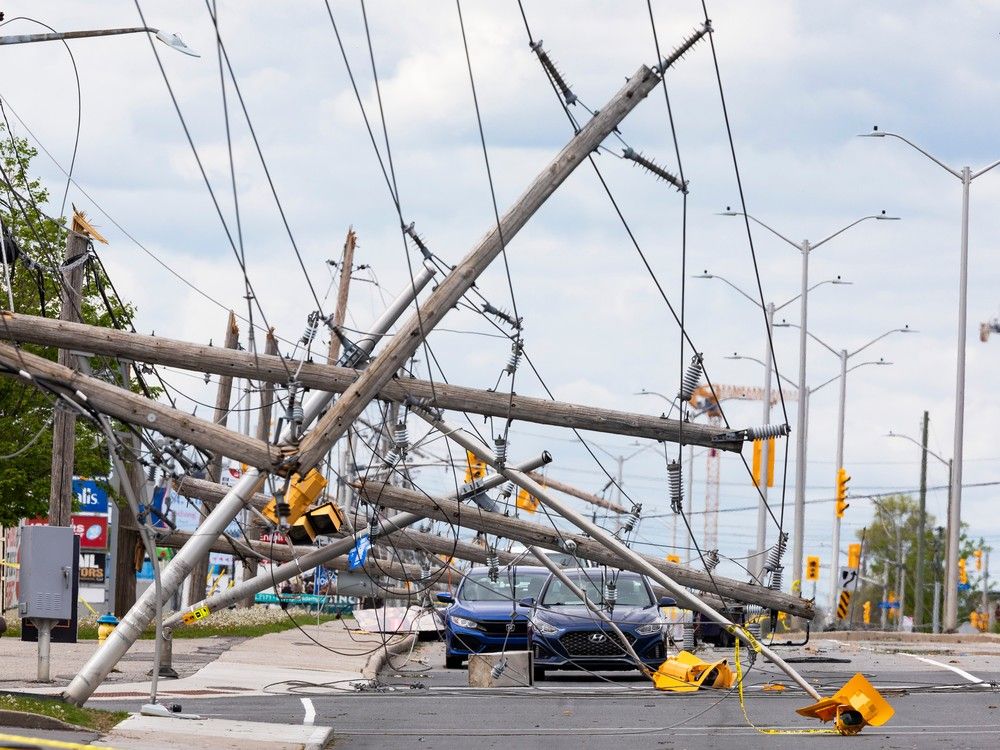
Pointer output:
x,y
48,573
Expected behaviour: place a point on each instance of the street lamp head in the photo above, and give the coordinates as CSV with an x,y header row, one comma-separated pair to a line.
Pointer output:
x,y
175,42
885,217
703,275
876,133
840,281
729,212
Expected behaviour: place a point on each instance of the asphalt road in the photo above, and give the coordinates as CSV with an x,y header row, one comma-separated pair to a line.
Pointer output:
x,y
424,704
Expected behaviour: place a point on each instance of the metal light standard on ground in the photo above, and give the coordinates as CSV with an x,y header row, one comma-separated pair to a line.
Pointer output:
x,y
843,355
805,248
171,40
769,310
919,573
966,175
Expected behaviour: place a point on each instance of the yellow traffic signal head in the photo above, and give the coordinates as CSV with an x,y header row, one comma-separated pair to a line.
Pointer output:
x,y
812,568
978,554
842,479
963,576
854,556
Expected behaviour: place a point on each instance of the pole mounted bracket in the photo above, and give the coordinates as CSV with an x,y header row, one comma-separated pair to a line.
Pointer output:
x,y
730,440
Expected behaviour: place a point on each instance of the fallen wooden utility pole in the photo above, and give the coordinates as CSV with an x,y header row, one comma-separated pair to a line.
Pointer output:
x,y
535,534
568,489
158,350
343,289
130,407
306,454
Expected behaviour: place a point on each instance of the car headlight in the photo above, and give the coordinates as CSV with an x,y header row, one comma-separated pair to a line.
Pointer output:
x,y
543,627
464,622
649,628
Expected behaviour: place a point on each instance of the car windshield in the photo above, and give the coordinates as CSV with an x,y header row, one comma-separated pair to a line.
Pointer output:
x,y
508,588
632,592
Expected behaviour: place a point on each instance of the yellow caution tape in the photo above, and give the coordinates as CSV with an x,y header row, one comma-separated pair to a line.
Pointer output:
x,y
736,631
195,614
743,707
10,564
18,741
87,605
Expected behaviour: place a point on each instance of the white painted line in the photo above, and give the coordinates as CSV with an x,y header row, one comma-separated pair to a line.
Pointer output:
x,y
310,711
960,672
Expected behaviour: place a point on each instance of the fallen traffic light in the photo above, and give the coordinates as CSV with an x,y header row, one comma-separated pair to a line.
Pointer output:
x,y
851,708
302,492
687,673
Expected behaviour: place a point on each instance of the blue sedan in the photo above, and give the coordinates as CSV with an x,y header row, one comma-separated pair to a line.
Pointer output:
x,y
565,634
483,615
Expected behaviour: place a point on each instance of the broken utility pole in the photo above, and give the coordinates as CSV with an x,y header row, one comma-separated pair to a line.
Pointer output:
x,y
309,452
343,288
158,350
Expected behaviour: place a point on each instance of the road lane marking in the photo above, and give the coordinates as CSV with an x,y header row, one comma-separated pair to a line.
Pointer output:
x,y
310,711
960,672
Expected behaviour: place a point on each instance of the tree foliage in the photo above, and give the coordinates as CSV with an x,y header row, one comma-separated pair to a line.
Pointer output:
x,y
34,247
891,539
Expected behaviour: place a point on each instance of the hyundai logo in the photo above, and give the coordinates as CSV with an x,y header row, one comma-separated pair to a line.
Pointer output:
x,y
597,638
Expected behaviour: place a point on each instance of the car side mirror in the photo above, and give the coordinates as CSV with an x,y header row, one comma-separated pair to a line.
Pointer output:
x,y
444,597
528,602
666,601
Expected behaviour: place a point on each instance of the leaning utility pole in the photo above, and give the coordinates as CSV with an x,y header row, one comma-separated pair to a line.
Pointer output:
x,y
343,288
918,578
252,530
64,418
223,398
339,417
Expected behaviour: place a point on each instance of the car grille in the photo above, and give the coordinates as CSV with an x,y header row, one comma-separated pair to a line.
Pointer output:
x,y
593,643
499,627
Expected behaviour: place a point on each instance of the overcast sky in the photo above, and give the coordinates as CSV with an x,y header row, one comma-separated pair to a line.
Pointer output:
x,y
801,80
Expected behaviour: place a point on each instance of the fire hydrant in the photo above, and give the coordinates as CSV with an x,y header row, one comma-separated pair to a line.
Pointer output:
x,y
105,626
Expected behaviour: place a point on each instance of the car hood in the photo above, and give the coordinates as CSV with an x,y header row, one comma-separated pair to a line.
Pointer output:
x,y
577,617
486,610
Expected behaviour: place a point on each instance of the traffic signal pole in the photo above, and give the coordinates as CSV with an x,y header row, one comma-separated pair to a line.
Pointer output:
x,y
837,512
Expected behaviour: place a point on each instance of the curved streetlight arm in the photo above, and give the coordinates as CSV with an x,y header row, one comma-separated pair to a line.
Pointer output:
x,y
911,144
879,338
855,367
644,392
810,334
775,232
852,224
837,281
171,40
724,280
984,170
761,363
918,444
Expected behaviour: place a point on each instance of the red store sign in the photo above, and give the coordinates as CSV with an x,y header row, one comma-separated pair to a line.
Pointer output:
x,y
92,530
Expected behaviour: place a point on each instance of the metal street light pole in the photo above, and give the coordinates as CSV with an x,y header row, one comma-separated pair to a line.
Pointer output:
x,y
171,40
769,310
966,175
918,609
843,356
805,248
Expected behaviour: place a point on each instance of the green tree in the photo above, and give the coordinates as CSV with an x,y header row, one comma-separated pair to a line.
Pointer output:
x,y
890,548
34,246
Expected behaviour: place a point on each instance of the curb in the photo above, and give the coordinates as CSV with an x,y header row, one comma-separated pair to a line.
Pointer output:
x,y
28,720
319,739
896,637
380,658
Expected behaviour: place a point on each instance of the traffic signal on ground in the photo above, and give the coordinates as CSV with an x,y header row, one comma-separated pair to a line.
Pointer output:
x,y
978,554
867,611
963,577
812,568
854,556
842,479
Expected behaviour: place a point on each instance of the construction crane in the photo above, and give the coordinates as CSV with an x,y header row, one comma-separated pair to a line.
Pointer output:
x,y
990,326
706,401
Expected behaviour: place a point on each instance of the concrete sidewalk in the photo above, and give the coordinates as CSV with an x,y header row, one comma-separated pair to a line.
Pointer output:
x,y
285,662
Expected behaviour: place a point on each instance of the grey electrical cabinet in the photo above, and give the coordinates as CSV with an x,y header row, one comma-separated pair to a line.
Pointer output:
x,y
47,572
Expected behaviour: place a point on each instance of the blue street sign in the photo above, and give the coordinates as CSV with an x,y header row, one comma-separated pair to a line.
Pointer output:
x,y
964,586
91,497
357,556
888,605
